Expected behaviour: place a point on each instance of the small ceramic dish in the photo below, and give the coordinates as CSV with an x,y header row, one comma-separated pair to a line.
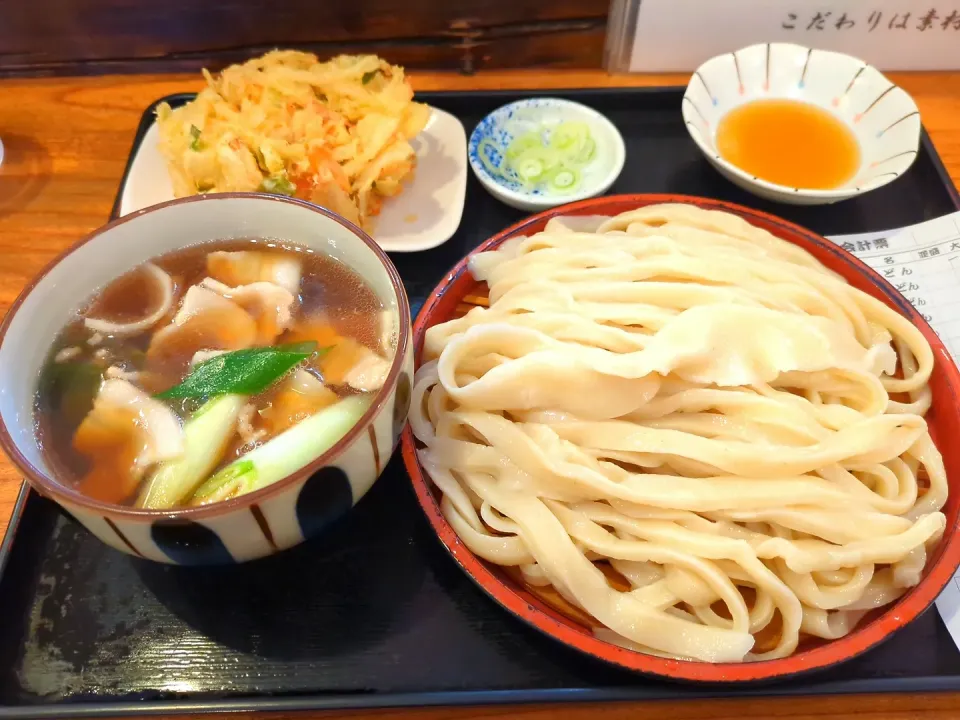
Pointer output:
x,y
426,214
499,128
506,589
249,526
882,116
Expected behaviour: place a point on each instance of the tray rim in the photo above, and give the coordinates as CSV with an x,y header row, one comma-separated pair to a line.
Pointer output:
x,y
523,696
451,699
582,93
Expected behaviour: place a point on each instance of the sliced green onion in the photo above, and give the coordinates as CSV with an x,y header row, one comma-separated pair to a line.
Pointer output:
x,y
533,164
554,165
584,155
288,452
564,180
225,483
569,136
195,144
522,143
206,436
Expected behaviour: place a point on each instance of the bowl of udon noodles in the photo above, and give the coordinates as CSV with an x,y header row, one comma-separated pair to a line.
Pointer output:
x,y
208,380
686,438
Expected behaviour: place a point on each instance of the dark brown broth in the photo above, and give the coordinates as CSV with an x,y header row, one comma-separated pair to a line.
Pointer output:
x,y
126,299
328,287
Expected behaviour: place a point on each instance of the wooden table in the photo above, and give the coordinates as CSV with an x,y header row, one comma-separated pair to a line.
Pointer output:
x,y
67,141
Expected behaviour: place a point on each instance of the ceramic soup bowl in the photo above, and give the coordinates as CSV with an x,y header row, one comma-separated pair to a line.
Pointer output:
x,y
249,526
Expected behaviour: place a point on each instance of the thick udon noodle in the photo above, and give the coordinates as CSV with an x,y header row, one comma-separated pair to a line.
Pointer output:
x,y
734,428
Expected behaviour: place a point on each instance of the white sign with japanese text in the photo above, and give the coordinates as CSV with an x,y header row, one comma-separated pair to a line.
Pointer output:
x,y
678,35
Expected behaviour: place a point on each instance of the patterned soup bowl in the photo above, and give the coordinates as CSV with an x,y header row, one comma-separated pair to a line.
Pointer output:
x,y
248,526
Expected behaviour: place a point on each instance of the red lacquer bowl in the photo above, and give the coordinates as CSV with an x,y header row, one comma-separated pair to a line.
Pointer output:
x,y
944,421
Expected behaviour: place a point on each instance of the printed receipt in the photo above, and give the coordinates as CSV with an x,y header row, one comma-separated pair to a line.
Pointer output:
x,y
923,263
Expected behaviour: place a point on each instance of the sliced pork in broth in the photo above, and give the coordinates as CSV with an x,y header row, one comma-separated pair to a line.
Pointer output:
x,y
211,372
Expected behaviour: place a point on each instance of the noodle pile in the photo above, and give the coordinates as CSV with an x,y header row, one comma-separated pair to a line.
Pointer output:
x,y
680,400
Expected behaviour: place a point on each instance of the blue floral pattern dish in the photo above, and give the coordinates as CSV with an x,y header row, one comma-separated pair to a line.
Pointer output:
x,y
494,134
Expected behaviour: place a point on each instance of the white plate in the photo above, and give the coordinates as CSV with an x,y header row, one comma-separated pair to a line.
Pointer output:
x,y
426,214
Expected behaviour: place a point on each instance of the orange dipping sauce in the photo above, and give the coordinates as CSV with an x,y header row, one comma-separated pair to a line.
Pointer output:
x,y
790,143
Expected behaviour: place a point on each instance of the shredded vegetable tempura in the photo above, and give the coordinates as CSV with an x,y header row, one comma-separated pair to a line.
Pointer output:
x,y
335,133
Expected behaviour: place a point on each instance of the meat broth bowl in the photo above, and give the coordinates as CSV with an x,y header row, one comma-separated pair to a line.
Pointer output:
x,y
210,380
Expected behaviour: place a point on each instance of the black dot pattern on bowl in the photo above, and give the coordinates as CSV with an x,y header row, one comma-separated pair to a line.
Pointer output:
x,y
401,403
190,543
324,497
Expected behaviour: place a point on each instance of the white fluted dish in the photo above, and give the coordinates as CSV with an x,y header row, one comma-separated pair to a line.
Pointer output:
x,y
882,116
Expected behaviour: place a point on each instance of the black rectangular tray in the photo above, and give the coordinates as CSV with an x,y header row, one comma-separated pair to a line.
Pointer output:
x,y
374,613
